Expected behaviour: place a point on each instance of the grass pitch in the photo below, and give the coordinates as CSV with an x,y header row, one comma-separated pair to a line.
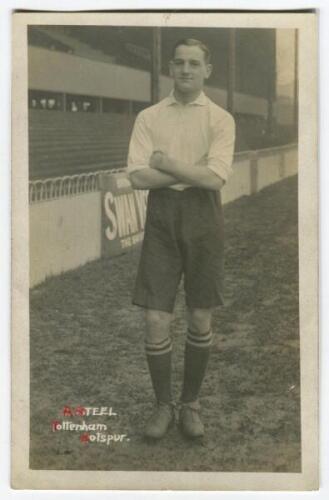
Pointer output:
x,y
87,350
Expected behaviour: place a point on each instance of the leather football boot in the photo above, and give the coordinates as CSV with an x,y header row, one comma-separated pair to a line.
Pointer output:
x,y
190,421
159,423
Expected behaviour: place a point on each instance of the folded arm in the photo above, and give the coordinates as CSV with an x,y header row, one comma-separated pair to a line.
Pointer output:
x,y
194,175
150,178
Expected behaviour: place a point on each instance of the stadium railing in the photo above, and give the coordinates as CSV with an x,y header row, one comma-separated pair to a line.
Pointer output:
x,y
68,185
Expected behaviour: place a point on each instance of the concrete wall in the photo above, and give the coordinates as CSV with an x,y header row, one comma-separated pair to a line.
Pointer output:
x,y
65,233
268,170
239,183
60,72
276,165
290,161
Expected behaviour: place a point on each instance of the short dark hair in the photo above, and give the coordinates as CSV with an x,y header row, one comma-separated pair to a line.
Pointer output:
x,y
192,42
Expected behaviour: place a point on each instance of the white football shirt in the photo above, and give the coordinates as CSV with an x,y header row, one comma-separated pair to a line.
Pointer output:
x,y
198,133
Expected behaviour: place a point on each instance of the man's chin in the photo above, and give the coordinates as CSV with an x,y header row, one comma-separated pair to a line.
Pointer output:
x,y
186,88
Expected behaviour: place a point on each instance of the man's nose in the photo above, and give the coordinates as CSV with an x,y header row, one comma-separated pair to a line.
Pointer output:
x,y
186,67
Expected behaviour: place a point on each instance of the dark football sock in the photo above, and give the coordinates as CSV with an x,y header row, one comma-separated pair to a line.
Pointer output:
x,y
197,349
158,357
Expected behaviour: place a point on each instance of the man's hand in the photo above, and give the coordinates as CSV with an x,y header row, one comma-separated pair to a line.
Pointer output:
x,y
161,161
156,159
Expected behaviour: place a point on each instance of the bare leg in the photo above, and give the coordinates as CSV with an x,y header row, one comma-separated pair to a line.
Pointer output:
x,y
157,325
199,320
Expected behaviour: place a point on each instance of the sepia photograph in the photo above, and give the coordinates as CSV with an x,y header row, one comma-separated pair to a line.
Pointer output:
x,y
162,186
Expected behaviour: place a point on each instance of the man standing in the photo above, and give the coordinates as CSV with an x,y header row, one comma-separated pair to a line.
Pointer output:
x,y
181,150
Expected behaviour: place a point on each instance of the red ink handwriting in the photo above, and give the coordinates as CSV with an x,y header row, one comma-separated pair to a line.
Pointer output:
x,y
56,425
84,438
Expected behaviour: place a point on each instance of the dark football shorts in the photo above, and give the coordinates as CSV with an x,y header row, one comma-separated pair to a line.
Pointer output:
x,y
184,236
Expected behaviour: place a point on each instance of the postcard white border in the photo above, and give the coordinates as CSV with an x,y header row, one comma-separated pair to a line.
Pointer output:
x,y
22,476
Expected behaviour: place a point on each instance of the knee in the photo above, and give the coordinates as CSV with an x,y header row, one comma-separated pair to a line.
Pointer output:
x,y
199,320
157,325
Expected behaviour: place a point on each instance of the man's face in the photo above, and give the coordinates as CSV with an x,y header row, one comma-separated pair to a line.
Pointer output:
x,y
189,68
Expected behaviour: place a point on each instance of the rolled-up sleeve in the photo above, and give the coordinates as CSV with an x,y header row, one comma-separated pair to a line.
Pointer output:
x,y
140,146
220,155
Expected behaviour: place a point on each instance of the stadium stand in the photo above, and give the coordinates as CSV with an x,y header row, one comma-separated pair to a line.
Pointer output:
x,y
70,143
56,38
67,143
77,125
41,38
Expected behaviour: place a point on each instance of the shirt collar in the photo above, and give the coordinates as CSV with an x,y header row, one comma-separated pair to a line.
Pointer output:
x,y
201,100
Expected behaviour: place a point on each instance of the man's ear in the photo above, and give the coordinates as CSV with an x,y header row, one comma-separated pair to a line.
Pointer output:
x,y
208,70
171,64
